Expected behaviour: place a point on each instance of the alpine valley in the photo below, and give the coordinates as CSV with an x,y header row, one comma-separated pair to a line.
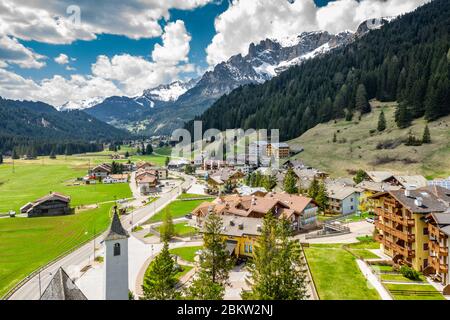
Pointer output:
x,y
162,109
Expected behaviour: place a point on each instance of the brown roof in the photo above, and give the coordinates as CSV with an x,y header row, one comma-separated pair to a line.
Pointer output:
x,y
102,167
430,203
146,179
49,197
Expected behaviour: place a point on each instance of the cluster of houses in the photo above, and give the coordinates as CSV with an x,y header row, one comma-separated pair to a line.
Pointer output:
x,y
243,216
148,177
104,173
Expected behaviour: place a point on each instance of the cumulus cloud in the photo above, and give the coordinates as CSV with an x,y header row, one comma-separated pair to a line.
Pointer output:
x,y
62,59
119,75
247,21
135,74
13,52
62,22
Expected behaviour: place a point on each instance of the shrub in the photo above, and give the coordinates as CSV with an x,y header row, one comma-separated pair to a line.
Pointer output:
x,y
410,273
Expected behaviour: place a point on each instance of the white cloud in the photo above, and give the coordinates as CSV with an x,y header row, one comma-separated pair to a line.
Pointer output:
x,y
13,52
175,46
120,75
60,22
248,21
62,59
135,74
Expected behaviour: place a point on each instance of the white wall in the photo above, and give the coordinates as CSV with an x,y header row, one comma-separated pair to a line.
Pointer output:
x,y
116,271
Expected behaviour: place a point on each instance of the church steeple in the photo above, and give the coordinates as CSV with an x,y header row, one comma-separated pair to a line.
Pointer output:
x,y
116,261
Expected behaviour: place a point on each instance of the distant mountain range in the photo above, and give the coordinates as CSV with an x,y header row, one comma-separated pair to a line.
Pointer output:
x,y
165,108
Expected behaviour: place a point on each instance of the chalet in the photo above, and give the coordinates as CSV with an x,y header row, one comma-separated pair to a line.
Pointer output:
x,y
294,164
300,211
101,171
116,178
211,164
177,164
241,234
278,150
403,181
144,166
402,224
249,191
342,199
53,204
146,183
161,173
217,180
88,179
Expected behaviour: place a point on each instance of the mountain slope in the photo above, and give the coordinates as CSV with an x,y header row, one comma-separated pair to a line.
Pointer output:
x,y
406,60
166,108
42,120
358,148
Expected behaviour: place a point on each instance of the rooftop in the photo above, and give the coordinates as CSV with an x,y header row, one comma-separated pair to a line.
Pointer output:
x,y
61,287
116,231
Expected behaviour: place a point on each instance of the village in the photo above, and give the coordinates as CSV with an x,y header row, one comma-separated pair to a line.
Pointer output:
x,y
394,227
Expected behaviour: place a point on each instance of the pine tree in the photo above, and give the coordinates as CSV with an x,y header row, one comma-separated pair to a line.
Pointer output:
x,y
402,116
215,259
1,158
166,162
361,101
203,288
360,176
160,281
334,137
15,156
381,122
313,190
277,271
167,231
322,197
127,154
426,135
149,149
290,182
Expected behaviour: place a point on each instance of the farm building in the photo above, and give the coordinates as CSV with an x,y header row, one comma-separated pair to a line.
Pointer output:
x,y
53,204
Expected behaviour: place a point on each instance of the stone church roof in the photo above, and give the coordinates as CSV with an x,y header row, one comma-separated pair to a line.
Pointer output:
x,y
116,231
61,287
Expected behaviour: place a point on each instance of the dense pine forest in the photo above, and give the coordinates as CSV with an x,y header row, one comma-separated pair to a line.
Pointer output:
x,y
407,60
35,128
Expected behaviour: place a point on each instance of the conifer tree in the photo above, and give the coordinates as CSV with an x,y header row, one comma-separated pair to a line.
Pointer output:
x,y
381,122
313,190
361,101
290,183
160,281
167,230
277,271
1,158
402,116
426,135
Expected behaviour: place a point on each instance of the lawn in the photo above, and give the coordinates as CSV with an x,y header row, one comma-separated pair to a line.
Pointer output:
x,y
413,292
177,209
28,243
33,180
186,253
181,229
355,217
180,274
336,274
398,277
184,196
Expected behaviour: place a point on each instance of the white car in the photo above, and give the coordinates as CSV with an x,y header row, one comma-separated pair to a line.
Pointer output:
x,y
370,220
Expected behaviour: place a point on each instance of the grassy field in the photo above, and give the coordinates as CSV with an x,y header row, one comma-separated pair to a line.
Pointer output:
x,y
398,277
181,229
336,274
356,147
26,244
177,209
194,196
186,253
413,292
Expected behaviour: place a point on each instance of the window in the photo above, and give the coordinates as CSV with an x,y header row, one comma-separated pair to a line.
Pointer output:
x,y
245,248
425,246
351,199
425,231
250,248
116,249
351,208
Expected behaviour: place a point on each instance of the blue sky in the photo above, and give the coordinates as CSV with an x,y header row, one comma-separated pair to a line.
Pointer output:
x,y
199,23
133,45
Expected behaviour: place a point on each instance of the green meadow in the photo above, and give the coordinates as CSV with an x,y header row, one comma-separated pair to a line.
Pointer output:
x,y
26,244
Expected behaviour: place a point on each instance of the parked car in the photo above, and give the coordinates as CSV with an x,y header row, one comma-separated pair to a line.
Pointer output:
x,y
370,220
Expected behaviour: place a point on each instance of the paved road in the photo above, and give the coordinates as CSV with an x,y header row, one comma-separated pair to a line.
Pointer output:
x,y
84,255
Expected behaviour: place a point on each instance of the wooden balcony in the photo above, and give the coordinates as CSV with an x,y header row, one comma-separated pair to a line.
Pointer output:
x,y
437,248
437,265
408,237
435,232
398,249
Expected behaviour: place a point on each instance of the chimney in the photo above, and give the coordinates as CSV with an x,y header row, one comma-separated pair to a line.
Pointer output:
x,y
258,228
418,202
241,226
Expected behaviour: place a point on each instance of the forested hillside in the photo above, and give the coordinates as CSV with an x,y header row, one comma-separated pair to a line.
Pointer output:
x,y
35,128
407,61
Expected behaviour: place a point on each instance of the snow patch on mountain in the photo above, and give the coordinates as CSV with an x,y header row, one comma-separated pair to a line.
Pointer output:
x,y
81,104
